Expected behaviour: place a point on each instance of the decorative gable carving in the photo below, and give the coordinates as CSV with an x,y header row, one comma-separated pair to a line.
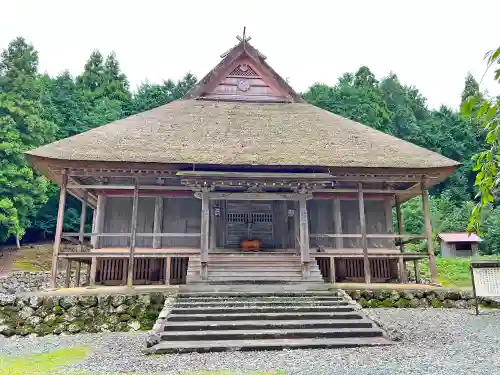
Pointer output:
x,y
244,75
243,70
246,82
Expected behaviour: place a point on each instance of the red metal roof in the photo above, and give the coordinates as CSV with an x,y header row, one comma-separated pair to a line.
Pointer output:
x,y
459,237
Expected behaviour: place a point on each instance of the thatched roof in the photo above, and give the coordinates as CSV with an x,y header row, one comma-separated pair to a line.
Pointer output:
x,y
235,133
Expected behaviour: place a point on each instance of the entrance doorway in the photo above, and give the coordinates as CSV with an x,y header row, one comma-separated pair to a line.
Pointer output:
x,y
252,220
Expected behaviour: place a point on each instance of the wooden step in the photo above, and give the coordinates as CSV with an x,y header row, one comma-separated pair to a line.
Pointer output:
x,y
165,347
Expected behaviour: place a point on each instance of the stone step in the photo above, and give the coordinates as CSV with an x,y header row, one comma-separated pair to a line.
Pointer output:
x,y
264,334
254,294
225,303
165,347
260,309
344,313
290,299
266,324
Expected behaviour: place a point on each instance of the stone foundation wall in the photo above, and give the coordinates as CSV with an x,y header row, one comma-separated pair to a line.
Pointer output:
x,y
19,282
419,298
71,314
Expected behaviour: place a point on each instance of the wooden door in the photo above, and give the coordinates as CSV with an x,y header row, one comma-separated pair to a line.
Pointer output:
x,y
249,220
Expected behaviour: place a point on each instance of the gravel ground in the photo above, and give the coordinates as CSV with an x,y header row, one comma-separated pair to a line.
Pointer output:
x,y
435,341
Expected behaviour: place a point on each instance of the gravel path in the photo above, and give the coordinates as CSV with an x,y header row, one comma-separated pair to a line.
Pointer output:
x,y
448,342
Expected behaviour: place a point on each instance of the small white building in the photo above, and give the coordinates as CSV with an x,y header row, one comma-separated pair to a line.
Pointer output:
x,y
458,244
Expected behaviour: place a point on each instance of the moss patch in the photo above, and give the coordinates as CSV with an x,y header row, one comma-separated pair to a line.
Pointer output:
x,y
42,363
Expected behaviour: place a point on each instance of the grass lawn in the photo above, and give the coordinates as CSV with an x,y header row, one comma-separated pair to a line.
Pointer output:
x,y
33,258
41,364
453,272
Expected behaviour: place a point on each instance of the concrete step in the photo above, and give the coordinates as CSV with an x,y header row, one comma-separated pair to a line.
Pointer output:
x,y
253,303
263,315
165,347
265,334
266,324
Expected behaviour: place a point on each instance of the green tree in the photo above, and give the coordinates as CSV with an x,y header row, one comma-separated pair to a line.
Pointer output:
x,y
22,127
486,163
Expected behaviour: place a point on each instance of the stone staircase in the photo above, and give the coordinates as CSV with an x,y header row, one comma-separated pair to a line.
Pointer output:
x,y
237,267
225,321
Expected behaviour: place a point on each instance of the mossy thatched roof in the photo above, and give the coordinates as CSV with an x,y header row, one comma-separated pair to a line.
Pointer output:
x,y
237,133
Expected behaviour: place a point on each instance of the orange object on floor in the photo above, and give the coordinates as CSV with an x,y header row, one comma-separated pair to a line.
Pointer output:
x,y
250,245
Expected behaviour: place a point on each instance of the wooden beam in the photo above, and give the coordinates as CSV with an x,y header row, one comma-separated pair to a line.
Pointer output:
x,y
205,232
129,187
59,228
428,232
364,240
303,233
158,222
133,237
337,222
254,196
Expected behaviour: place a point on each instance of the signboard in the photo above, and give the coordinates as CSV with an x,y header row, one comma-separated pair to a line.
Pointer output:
x,y
485,277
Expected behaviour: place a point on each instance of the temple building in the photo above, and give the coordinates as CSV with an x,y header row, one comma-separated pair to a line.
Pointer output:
x,y
239,181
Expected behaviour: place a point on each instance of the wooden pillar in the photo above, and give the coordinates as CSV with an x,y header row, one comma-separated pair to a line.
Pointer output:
x,y
83,217
68,274
204,235
296,228
416,266
77,273
403,278
364,241
213,223
98,224
168,262
399,218
133,237
59,228
337,222
93,271
333,277
304,236
158,222
428,231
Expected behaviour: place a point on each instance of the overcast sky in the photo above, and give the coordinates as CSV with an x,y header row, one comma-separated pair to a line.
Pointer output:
x,y
429,44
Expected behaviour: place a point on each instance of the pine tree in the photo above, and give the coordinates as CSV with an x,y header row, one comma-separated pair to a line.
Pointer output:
x,y
21,128
471,87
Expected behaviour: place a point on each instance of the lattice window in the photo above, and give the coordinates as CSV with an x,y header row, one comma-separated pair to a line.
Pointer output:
x,y
237,217
244,70
262,217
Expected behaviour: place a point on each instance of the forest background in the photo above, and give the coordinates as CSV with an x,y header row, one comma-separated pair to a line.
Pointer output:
x,y
36,109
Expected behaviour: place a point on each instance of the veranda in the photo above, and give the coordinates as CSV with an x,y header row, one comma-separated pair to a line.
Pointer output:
x,y
150,225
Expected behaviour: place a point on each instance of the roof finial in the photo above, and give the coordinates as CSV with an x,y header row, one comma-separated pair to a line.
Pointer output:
x,y
243,38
